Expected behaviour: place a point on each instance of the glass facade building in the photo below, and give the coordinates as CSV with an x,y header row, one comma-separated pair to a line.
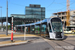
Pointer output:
x,y
32,13
35,11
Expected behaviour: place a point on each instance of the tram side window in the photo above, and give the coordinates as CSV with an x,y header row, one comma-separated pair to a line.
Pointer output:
x,y
50,28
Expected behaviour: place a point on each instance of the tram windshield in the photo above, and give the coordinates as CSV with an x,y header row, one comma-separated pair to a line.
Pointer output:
x,y
57,26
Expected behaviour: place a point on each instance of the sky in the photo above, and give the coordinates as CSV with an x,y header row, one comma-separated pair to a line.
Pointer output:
x,y
51,6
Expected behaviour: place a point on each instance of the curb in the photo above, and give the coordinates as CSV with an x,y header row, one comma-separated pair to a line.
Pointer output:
x,y
68,35
18,36
11,44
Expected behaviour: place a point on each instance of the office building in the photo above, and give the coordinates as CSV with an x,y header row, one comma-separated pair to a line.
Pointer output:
x,y
35,11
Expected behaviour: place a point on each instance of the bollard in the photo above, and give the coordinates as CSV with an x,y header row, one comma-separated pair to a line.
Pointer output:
x,y
12,37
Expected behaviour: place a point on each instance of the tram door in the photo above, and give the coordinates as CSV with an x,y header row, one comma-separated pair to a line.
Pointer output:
x,y
43,30
37,29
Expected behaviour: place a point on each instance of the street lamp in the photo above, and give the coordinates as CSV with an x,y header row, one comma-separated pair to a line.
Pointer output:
x,y
1,11
1,14
7,20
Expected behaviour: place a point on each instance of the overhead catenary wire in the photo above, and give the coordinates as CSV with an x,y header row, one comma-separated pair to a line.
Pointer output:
x,y
16,4
61,4
64,6
52,3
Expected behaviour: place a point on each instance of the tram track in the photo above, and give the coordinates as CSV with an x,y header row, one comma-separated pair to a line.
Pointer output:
x,y
63,45
53,44
68,43
58,44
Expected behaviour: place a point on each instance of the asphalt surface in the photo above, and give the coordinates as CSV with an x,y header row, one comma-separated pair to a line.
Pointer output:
x,y
36,44
68,43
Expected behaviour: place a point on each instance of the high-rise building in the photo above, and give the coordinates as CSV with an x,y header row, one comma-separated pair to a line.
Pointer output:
x,y
35,11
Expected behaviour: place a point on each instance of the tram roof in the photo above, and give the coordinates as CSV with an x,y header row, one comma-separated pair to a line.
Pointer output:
x,y
36,23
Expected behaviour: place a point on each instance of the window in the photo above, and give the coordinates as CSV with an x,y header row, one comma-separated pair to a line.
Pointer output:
x,y
74,11
37,29
43,28
62,17
34,5
43,12
63,13
59,13
57,26
43,9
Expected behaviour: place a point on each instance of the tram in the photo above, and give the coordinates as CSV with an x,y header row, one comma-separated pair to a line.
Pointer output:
x,y
55,28
51,26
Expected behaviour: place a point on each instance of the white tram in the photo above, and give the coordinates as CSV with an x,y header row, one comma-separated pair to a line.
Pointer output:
x,y
53,27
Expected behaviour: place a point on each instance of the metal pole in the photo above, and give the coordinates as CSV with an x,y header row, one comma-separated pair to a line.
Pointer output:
x,y
1,11
7,20
1,16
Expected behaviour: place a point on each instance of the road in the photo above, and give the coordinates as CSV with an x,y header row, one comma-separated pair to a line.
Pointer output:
x,y
67,44
36,44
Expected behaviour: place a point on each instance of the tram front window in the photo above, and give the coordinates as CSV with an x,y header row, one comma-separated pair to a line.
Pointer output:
x,y
57,26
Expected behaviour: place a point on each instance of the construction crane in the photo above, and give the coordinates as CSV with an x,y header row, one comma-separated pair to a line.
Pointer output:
x,y
68,13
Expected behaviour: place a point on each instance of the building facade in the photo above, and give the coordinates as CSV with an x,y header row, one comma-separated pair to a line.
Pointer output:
x,y
35,11
72,18
63,15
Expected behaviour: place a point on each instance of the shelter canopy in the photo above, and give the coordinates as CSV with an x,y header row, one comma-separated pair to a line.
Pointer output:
x,y
39,22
